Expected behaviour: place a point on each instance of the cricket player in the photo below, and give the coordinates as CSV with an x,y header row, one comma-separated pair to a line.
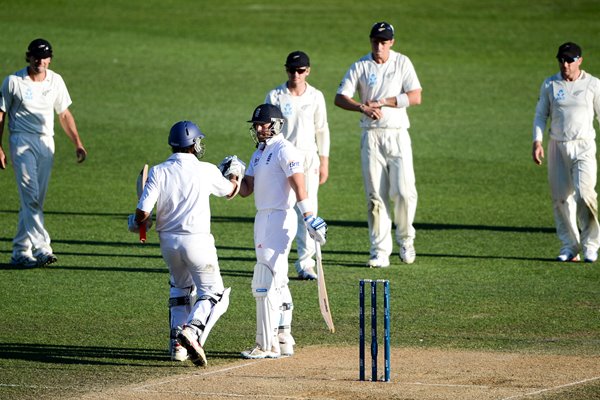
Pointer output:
x,y
29,98
570,98
276,177
306,127
180,188
387,85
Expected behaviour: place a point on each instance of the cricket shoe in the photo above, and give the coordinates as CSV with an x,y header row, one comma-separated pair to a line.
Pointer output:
x,y
44,260
24,261
378,261
178,352
590,256
408,253
566,256
257,353
189,339
307,274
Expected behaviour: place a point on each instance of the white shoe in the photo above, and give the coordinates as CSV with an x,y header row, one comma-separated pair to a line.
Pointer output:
x,y
566,256
378,261
307,274
257,352
178,352
24,261
408,253
189,339
590,256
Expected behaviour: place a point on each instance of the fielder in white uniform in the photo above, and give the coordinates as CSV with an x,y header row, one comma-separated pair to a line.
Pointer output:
x,y
306,127
276,177
30,97
180,188
569,99
387,85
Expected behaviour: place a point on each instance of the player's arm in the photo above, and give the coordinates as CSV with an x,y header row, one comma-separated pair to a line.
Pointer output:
x,y
67,122
247,186
537,152
2,155
299,187
141,216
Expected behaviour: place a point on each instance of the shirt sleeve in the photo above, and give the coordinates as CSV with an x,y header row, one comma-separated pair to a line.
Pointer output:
x,y
542,112
63,100
321,126
349,82
411,81
5,96
290,161
221,186
149,196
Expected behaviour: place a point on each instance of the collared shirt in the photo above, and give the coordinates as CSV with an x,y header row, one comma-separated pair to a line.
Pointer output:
x,y
180,187
31,105
306,124
271,167
570,107
377,81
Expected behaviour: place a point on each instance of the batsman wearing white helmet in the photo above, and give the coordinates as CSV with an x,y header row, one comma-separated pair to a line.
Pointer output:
x,y
276,177
306,127
387,85
180,188
569,99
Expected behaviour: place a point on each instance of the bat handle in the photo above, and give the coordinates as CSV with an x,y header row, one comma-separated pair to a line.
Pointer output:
x,y
143,233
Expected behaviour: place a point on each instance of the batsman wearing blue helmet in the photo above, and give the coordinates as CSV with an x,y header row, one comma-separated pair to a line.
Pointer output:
x,y
180,188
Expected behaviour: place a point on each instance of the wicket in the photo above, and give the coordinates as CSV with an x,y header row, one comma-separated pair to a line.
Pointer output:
x,y
386,329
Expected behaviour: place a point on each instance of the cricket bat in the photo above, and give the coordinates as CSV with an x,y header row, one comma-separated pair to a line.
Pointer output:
x,y
322,289
141,182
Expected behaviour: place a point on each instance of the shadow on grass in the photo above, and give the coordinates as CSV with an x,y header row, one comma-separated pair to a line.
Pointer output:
x,y
93,355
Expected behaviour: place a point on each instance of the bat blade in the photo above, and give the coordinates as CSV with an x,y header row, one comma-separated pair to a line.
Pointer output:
x,y
141,182
322,290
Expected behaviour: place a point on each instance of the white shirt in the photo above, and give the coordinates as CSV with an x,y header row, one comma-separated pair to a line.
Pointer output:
x,y
180,187
377,81
271,167
306,124
31,105
570,106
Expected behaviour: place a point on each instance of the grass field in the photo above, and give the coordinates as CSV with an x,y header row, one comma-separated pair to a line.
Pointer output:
x,y
484,278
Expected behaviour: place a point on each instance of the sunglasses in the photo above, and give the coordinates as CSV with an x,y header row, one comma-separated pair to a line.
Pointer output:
x,y
300,71
567,60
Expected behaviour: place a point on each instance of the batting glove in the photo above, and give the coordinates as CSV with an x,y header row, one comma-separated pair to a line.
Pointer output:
x,y
232,165
134,226
317,228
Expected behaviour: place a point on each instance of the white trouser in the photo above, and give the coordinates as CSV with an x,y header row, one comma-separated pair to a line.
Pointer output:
x,y
305,245
387,168
274,231
572,170
32,159
192,261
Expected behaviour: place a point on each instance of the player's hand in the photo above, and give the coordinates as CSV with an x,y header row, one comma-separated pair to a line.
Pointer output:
x,y
317,228
232,166
537,152
2,159
134,226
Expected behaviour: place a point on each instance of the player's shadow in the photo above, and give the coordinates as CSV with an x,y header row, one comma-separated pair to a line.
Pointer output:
x,y
82,355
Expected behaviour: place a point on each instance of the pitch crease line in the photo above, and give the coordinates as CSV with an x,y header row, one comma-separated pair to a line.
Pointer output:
x,y
199,374
519,396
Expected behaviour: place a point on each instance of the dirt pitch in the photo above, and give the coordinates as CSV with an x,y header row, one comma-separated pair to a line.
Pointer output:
x,y
332,373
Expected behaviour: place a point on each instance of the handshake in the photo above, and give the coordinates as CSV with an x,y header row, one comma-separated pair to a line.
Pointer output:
x,y
317,228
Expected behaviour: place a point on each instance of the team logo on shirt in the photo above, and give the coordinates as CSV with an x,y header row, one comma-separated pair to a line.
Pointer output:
x,y
293,164
28,94
287,110
372,79
269,158
560,95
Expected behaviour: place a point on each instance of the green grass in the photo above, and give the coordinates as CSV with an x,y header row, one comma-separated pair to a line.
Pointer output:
x,y
484,276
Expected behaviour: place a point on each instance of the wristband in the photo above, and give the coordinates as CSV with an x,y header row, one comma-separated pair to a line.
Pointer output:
x,y
361,108
402,101
304,206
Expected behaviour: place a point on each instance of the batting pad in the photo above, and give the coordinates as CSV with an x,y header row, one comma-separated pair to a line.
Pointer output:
x,y
268,302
